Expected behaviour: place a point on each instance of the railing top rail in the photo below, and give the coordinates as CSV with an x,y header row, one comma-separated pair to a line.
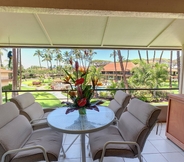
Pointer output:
x,y
105,89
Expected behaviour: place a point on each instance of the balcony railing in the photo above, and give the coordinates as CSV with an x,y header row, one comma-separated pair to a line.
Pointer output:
x,y
161,93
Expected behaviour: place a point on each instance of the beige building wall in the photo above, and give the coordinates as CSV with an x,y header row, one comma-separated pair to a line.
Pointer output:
x,y
6,77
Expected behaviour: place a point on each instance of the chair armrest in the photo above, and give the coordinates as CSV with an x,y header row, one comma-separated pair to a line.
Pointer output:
x,y
27,148
120,143
115,121
48,110
37,120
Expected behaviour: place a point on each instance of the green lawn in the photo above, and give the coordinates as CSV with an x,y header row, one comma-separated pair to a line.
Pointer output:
x,y
47,100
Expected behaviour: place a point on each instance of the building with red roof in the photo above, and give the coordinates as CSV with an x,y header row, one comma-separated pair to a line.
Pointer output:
x,y
110,73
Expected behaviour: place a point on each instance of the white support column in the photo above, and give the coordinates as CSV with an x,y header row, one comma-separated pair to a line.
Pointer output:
x,y
15,73
181,82
1,98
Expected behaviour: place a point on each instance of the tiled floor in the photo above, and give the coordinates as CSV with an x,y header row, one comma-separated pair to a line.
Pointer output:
x,y
157,149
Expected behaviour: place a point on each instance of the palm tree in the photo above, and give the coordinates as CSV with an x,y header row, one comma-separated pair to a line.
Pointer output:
x,y
91,52
48,56
123,71
158,75
154,55
66,56
58,57
127,60
39,54
96,72
161,57
148,76
147,56
88,56
139,55
114,56
140,75
76,54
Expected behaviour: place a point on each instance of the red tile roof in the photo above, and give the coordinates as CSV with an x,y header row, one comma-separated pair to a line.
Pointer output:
x,y
110,66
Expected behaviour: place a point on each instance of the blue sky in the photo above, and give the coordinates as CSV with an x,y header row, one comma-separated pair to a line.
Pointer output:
x,y
29,60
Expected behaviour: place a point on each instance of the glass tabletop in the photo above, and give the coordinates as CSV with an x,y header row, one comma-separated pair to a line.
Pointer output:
x,y
74,123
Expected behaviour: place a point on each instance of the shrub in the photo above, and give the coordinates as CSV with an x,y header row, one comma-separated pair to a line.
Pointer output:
x,y
36,82
7,87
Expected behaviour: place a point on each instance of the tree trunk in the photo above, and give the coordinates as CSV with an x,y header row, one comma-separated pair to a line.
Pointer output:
x,y
123,71
161,57
114,54
48,65
139,55
127,60
154,56
39,62
147,56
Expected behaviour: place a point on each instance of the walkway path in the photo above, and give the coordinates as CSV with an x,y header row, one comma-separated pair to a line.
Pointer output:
x,y
60,96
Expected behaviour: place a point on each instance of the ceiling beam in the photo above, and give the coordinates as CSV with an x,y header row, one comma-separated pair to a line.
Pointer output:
x,y
43,28
105,29
66,46
149,44
163,6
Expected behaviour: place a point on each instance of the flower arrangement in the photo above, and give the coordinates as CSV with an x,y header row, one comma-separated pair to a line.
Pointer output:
x,y
82,84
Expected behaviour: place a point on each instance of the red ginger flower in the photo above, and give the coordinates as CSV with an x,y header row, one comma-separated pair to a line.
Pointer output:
x,y
86,52
71,61
79,81
82,102
76,66
79,91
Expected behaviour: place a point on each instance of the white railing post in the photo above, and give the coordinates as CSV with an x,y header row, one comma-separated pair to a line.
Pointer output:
x,y
181,82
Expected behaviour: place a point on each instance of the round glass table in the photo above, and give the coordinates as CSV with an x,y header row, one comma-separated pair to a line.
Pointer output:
x,y
73,123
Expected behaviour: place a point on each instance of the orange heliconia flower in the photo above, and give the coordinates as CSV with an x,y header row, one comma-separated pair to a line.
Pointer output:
x,y
95,80
82,70
67,78
72,93
99,84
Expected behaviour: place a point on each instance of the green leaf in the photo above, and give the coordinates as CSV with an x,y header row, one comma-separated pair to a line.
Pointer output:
x,y
69,75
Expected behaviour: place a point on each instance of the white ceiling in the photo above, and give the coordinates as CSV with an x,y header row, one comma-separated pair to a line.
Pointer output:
x,y
97,30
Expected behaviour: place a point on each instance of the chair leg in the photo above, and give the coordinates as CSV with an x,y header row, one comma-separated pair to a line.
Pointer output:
x,y
140,158
64,155
157,128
